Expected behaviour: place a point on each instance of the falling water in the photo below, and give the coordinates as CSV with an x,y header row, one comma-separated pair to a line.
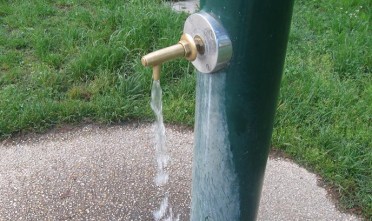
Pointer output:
x,y
165,211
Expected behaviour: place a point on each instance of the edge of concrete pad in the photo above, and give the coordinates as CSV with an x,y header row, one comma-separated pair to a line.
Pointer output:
x,y
188,6
68,131
332,194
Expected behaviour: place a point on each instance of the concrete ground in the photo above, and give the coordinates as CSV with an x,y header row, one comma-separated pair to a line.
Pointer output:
x,y
106,173
189,6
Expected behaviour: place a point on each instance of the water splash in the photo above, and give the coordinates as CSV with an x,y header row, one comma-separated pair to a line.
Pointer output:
x,y
164,212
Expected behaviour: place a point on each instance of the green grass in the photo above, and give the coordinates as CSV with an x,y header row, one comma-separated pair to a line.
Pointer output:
x,y
69,61
324,115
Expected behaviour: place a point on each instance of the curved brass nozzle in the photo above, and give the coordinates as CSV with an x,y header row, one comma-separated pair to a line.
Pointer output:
x,y
156,72
162,55
186,47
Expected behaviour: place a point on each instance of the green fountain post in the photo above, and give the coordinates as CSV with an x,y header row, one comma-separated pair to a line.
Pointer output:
x,y
235,109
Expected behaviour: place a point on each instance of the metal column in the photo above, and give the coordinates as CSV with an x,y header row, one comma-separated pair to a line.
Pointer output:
x,y
235,109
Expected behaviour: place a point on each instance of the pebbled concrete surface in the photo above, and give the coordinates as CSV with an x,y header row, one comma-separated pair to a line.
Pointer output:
x,y
188,6
106,173
291,193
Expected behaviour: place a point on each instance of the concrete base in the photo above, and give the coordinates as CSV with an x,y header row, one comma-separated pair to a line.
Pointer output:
x,y
107,173
188,6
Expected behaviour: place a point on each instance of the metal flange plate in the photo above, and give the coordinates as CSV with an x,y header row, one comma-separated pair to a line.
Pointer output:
x,y
217,44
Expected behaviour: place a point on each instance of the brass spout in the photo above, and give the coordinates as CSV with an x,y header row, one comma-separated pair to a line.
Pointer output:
x,y
186,47
156,72
162,55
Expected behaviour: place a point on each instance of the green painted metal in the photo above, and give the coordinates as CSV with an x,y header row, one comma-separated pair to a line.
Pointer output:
x,y
235,109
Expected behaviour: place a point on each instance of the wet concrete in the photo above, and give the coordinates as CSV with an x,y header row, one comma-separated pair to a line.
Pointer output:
x,y
188,6
106,173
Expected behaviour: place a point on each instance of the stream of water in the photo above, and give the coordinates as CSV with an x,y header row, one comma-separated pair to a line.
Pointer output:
x,y
164,212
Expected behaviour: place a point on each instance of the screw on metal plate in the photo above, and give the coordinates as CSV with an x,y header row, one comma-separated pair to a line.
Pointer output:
x,y
204,42
213,44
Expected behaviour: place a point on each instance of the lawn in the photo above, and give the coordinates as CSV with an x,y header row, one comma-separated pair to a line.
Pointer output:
x,y
67,61
73,61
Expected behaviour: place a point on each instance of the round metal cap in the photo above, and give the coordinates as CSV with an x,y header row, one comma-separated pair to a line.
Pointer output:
x,y
217,49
